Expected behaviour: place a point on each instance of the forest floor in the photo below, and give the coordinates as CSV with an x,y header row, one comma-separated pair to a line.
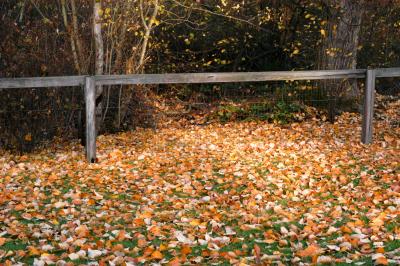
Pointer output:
x,y
241,193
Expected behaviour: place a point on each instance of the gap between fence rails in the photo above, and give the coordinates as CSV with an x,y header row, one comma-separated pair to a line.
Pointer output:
x,y
90,83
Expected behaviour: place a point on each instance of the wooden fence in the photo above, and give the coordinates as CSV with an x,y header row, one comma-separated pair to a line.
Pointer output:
x,y
90,83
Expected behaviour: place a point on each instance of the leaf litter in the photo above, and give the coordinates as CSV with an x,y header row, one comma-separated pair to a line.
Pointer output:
x,y
237,193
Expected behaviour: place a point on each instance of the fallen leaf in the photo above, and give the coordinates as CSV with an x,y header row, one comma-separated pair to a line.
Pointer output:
x,y
157,255
186,249
257,253
310,251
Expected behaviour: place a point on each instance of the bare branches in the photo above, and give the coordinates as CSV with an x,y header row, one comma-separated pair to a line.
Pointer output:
x,y
244,21
71,37
148,27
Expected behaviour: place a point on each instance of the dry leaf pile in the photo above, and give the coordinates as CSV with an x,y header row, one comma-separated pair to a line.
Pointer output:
x,y
240,193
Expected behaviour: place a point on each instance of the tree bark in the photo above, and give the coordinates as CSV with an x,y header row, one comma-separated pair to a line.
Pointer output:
x,y
84,64
99,58
71,37
339,50
148,28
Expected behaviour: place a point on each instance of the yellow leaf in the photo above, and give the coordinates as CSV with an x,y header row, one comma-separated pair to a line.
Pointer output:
x,y
323,32
379,221
296,51
33,251
195,222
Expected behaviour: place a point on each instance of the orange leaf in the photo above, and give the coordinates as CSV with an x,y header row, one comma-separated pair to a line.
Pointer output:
x,y
121,235
2,241
28,137
310,251
82,231
148,251
381,261
155,230
142,242
174,262
33,251
380,250
146,214
138,222
157,255
346,229
186,250
19,207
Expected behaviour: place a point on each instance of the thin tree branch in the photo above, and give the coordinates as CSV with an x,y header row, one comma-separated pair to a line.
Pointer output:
x,y
221,15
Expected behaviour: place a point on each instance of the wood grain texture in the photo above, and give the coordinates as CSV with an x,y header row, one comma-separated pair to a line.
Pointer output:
x,y
186,78
368,109
43,82
388,72
90,101
69,81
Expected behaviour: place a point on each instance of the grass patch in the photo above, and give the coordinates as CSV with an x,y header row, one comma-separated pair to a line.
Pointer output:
x,y
14,246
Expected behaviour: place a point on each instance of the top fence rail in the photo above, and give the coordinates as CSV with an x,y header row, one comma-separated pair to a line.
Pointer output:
x,y
71,81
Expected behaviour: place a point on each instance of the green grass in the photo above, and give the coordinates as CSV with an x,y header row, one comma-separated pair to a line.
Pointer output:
x,y
14,245
392,245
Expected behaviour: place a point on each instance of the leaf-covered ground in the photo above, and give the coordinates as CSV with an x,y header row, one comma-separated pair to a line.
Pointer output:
x,y
241,193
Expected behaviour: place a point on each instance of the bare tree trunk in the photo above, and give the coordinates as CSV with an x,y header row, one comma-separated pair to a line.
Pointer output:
x,y
148,27
72,41
121,40
75,31
99,59
340,48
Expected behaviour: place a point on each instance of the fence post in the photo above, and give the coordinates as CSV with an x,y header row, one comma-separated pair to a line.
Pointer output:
x,y
90,99
368,109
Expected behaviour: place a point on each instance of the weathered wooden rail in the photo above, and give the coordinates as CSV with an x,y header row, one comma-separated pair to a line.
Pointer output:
x,y
90,83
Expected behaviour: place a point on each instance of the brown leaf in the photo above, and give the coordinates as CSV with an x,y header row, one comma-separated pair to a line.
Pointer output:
x,y
257,253
395,187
